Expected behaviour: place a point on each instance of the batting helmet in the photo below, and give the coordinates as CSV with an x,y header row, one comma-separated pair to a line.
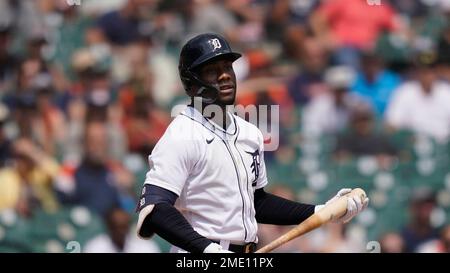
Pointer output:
x,y
200,50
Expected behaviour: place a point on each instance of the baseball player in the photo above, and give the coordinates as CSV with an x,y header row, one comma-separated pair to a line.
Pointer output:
x,y
211,166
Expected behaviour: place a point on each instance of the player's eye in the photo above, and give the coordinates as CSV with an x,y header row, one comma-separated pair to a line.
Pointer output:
x,y
208,71
229,66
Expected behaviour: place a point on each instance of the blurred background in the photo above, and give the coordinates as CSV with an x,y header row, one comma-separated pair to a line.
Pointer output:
x,y
86,92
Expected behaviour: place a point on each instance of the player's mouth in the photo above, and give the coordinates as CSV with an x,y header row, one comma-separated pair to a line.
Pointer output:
x,y
226,89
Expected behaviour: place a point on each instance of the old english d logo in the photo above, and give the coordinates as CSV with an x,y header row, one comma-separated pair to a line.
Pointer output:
x,y
255,165
215,43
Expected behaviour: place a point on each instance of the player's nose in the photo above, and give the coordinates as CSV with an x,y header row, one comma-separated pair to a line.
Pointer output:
x,y
224,76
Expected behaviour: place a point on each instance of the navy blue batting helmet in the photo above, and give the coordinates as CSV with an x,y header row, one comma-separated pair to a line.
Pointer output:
x,y
199,50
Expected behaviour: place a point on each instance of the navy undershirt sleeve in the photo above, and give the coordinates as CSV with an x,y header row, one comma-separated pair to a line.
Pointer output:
x,y
166,221
272,209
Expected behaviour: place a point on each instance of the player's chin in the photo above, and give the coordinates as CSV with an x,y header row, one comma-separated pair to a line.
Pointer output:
x,y
227,97
226,100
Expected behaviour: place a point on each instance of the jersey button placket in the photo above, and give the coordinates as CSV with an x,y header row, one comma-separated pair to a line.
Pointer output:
x,y
242,184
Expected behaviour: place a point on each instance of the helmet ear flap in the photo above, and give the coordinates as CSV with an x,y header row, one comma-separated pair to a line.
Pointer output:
x,y
187,81
191,80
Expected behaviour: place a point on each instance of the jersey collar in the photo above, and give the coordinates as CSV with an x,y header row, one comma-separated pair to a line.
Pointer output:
x,y
194,114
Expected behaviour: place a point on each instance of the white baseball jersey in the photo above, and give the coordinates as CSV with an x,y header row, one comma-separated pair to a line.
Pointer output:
x,y
215,173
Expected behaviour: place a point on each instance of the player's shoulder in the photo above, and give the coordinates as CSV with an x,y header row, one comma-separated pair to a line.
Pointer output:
x,y
188,125
248,128
183,121
180,122
243,123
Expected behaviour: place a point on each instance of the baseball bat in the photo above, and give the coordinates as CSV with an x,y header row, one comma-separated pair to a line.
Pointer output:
x,y
334,210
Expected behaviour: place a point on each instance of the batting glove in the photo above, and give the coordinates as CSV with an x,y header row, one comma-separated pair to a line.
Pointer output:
x,y
215,248
354,205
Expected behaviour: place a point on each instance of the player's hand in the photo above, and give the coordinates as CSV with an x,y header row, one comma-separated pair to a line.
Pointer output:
x,y
215,248
354,205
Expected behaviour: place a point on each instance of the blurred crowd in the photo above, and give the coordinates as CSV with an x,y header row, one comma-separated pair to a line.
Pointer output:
x,y
87,90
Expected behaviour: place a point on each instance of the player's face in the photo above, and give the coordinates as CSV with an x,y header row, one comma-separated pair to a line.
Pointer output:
x,y
220,74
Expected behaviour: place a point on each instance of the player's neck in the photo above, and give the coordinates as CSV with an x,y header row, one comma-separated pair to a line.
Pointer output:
x,y
223,119
214,112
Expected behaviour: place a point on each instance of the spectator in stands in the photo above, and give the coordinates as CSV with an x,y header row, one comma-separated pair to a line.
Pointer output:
x,y
375,82
32,102
8,61
440,245
94,183
95,100
211,16
328,112
27,184
66,35
338,240
24,17
121,27
392,242
144,124
288,22
419,229
49,125
32,74
362,138
345,27
102,106
250,16
309,81
422,105
120,238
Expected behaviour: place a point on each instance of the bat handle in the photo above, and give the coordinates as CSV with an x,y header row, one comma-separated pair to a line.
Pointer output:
x,y
330,212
